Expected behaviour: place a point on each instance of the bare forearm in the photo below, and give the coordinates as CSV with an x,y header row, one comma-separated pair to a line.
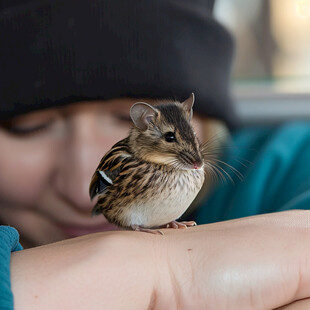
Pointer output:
x,y
256,263
85,273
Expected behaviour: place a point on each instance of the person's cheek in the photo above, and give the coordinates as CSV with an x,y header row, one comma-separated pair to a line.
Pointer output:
x,y
25,169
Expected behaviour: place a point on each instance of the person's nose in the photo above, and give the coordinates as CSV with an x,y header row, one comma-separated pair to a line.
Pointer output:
x,y
83,148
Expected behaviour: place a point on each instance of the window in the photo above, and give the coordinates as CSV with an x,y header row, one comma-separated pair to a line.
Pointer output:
x,y
271,72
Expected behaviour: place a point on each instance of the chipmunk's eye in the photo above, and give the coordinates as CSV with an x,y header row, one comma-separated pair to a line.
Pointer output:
x,y
170,136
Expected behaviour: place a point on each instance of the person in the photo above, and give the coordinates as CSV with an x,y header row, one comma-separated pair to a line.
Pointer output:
x,y
69,76
68,85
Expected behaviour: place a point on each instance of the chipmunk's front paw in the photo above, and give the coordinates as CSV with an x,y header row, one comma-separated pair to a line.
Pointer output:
x,y
181,225
148,230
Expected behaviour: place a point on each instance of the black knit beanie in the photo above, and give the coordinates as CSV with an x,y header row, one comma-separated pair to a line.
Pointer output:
x,y
54,52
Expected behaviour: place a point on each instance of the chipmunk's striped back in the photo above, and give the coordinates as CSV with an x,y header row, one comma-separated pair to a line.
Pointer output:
x,y
141,193
109,168
151,177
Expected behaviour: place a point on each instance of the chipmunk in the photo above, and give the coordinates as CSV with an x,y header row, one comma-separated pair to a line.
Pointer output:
x,y
149,179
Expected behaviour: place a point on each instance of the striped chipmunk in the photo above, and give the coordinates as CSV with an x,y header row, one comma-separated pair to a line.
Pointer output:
x,y
148,180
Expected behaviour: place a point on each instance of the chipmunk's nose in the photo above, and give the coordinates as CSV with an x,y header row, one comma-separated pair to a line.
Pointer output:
x,y
198,164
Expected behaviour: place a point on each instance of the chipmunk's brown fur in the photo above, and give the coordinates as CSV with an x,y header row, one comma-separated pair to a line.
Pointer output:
x,y
151,146
150,178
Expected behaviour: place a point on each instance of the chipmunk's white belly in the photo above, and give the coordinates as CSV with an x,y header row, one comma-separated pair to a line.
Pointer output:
x,y
171,198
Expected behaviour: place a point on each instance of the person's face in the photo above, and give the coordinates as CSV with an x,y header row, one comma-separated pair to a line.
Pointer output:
x,y
46,163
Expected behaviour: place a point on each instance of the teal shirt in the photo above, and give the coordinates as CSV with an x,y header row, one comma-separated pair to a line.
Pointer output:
x,y
9,242
275,165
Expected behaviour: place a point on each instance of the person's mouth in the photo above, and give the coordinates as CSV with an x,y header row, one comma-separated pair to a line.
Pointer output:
x,y
72,231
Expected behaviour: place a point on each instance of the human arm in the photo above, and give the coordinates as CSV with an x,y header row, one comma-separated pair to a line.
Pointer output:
x,y
260,262
98,271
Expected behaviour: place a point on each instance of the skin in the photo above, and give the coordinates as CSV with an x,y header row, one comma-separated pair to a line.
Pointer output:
x,y
45,174
259,262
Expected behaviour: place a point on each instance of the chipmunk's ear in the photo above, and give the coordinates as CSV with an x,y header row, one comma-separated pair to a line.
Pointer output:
x,y
142,114
188,106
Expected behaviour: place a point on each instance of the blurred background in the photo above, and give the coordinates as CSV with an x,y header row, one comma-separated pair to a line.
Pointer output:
x,y
271,72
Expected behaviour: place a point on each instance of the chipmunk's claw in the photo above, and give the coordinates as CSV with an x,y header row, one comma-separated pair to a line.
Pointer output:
x,y
181,225
147,230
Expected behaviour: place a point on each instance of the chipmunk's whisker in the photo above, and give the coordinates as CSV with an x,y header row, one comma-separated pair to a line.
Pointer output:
x,y
175,163
212,150
211,172
216,174
212,154
209,154
215,138
233,169
242,163
223,173
213,162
